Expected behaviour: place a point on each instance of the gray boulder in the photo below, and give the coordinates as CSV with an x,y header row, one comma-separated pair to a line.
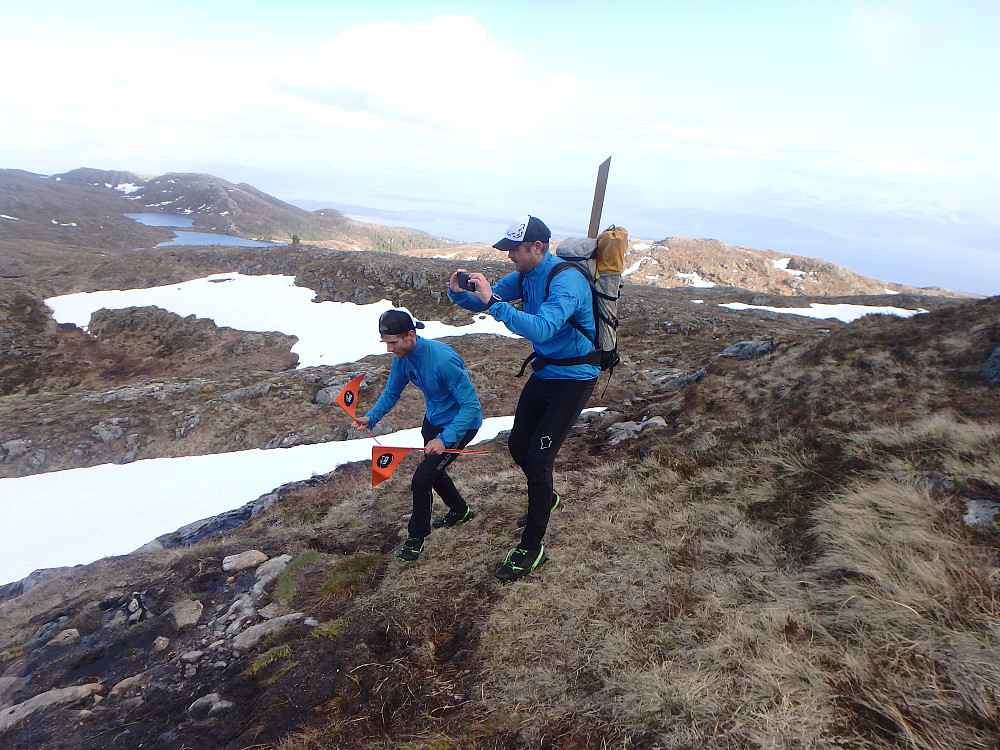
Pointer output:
x,y
991,370
60,696
207,706
748,349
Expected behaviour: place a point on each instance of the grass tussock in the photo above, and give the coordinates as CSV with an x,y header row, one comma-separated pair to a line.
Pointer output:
x,y
348,574
269,657
284,587
916,608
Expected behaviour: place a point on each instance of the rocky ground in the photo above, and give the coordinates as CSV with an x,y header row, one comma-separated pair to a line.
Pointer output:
x,y
147,383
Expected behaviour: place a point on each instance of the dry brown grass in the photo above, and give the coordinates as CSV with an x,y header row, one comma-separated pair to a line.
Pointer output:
x,y
682,621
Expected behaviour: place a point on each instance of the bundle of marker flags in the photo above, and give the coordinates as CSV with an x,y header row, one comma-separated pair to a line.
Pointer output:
x,y
385,459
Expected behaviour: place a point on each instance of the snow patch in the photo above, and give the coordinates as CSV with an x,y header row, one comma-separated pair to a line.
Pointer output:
x,y
635,266
782,265
696,280
845,313
290,310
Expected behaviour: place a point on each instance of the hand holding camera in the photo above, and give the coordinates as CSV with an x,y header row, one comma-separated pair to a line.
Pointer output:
x,y
473,283
465,282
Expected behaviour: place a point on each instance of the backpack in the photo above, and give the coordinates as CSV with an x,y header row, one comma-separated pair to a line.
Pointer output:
x,y
600,261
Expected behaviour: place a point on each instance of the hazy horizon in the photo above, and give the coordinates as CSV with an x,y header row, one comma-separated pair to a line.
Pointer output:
x,y
862,132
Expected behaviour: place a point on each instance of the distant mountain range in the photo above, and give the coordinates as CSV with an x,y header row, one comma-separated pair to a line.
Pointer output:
x,y
914,245
49,221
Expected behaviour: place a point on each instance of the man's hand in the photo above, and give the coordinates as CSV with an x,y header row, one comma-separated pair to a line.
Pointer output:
x,y
483,289
361,423
434,448
453,282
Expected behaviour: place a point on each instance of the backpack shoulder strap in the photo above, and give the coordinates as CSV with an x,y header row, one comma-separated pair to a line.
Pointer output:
x,y
562,266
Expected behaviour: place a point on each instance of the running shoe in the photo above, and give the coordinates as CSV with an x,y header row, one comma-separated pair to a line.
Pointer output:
x,y
412,548
519,562
453,518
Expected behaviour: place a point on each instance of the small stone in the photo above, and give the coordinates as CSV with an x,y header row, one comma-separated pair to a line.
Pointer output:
x,y
186,613
160,644
66,637
244,560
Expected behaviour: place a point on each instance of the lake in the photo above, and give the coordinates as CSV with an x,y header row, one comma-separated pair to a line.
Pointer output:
x,y
191,238
208,238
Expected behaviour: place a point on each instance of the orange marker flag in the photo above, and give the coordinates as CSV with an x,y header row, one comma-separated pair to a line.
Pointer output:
x,y
347,399
385,460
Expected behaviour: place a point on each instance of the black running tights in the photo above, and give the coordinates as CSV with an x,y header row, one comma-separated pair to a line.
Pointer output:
x,y
545,413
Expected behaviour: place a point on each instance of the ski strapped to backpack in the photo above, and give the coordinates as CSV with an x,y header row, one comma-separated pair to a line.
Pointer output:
x,y
601,262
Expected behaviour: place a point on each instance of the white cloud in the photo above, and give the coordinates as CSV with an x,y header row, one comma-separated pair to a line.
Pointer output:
x,y
443,74
888,35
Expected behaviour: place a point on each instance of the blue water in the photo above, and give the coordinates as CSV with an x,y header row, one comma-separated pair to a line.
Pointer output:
x,y
207,238
192,238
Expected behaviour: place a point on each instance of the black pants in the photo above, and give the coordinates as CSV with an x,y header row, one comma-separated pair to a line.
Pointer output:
x,y
545,413
431,475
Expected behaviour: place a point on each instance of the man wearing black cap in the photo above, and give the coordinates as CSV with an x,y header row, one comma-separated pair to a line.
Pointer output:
x,y
453,416
562,378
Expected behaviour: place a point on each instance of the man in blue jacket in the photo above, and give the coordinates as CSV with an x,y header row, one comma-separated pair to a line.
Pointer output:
x,y
561,381
453,417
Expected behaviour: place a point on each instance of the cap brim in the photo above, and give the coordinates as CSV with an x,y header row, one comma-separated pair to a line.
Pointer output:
x,y
506,245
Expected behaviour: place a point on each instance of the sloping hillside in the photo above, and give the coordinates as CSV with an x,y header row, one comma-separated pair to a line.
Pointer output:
x,y
777,558
55,374
706,264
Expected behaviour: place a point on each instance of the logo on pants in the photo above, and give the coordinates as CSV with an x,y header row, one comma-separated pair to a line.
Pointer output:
x,y
545,443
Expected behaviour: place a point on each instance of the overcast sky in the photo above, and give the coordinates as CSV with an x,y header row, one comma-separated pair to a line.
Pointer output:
x,y
507,108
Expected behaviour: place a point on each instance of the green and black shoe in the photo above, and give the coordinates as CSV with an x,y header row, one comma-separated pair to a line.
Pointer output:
x,y
519,562
412,548
453,518
557,503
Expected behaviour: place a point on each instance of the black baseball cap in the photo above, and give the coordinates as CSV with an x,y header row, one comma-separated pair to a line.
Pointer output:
x,y
396,322
523,229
